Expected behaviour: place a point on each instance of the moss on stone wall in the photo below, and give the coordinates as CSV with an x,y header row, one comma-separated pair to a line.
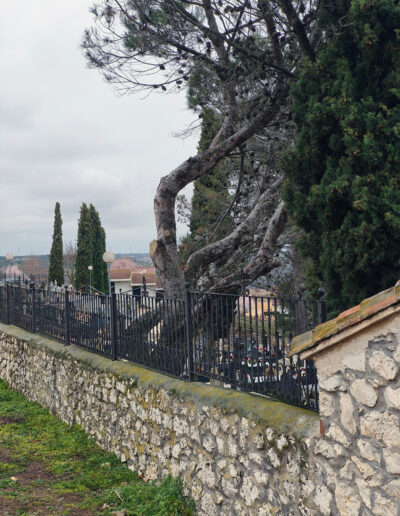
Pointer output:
x,y
283,417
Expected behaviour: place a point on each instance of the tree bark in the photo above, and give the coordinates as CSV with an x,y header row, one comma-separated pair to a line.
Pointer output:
x,y
263,262
165,254
240,235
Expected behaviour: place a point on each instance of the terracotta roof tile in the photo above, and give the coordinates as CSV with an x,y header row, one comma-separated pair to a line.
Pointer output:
x,y
125,263
120,274
137,278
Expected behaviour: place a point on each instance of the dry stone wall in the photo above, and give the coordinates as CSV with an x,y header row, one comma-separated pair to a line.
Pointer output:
x,y
237,454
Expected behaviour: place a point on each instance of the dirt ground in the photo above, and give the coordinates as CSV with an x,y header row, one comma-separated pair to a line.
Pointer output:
x,y
31,493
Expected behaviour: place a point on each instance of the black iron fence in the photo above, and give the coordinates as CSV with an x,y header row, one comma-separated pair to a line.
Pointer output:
x,y
238,341
22,277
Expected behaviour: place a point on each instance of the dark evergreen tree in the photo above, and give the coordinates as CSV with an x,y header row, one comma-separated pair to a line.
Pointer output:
x,y
98,249
103,264
56,266
343,175
84,250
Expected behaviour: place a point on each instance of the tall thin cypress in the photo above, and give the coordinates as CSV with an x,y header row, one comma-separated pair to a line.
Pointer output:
x,y
56,266
98,244
84,251
103,264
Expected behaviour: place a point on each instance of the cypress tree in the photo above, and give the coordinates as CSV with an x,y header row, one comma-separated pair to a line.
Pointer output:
x,y
56,265
98,249
84,248
103,264
343,177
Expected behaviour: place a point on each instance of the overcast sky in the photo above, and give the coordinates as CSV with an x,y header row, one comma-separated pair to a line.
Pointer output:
x,y
65,136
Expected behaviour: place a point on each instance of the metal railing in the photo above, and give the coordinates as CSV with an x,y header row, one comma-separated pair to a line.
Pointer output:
x,y
238,341
22,277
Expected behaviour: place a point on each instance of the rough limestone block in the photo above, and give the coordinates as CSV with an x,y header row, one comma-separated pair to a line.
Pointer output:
x,y
392,398
348,501
337,434
364,393
392,461
383,365
347,414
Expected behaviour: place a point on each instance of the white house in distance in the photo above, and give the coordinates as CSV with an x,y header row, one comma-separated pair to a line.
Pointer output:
x,y
121,280
126,280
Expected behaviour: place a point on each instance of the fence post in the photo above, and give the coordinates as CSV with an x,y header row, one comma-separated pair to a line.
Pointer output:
x,y
67,317
321,311
321,306
189,332
7,303
33,307
114,350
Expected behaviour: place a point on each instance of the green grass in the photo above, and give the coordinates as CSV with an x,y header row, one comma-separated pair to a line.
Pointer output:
x,y
47,467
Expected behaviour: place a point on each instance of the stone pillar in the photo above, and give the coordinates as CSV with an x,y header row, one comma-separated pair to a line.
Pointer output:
x,y
356,458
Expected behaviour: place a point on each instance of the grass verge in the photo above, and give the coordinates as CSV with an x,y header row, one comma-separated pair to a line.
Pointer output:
x,y
47,467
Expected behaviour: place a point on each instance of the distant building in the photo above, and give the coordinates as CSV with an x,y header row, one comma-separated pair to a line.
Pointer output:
x,y
153,284
125,280
121,279
125,263
260,303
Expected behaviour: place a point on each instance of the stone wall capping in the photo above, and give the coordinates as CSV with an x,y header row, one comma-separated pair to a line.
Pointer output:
x,y
347,324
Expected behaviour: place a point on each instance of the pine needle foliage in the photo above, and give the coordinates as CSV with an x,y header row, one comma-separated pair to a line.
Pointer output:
x,y
56,265
343,175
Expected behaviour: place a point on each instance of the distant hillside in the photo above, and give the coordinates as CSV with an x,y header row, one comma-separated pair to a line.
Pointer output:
x,y
139,258
19,259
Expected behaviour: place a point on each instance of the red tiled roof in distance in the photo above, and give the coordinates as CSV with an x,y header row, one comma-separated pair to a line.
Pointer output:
x,y
146,270
137,278
151,279
125,263
120,274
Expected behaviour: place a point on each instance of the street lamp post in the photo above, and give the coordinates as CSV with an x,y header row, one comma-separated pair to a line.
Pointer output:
x,y
109,258
90,268
9,258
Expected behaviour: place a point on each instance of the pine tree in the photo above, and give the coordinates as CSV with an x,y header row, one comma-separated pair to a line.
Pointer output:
x,y
84,250
210,199
56,266
343,186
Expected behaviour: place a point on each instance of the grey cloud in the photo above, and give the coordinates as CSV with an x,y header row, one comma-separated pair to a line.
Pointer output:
x,y
65,136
